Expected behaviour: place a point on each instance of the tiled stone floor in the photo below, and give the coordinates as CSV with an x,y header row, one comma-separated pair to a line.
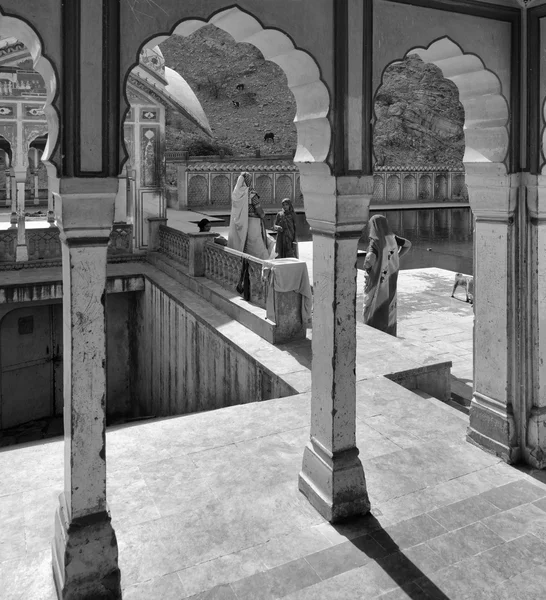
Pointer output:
x,y
206,506
428,315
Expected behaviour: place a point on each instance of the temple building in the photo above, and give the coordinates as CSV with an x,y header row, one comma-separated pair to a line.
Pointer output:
x,y
108,311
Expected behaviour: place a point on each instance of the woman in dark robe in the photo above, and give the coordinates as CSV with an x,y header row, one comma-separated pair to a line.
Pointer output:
x,y
285,226
381,266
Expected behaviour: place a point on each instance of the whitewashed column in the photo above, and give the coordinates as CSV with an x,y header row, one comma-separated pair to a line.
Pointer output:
x,y
20,179
494,409
8,187
36,188
120,215
13,183
332,477
85,556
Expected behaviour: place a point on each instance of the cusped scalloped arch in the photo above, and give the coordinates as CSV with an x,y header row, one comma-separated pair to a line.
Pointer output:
x,y
302,73
480,92
14,27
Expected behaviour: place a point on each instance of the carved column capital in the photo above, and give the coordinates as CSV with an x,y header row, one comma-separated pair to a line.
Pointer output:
x,y
335,206
536,196
492,193
85,210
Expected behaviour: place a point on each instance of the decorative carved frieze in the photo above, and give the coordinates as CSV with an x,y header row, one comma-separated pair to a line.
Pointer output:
x,y
30,132
121,239
34,111
8,110
149,156
9,132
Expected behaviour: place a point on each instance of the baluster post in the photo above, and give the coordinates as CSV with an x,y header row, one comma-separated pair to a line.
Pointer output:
x,y
154,223
196,252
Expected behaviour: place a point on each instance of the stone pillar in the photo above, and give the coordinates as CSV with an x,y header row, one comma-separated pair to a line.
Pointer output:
x,y
196,263
22,250
535,331
8,188
85,555
53,183
182,189
120,214
36,188
332,477
154,223
493,198
13,194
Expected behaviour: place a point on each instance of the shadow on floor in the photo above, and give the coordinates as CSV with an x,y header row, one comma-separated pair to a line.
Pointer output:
x,y
380,548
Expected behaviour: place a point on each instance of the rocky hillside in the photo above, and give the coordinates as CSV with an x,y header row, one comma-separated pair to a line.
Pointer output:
x,y
419,117
214,65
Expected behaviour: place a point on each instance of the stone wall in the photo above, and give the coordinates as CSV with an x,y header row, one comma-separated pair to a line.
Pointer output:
x,y
184,364
399,185
201,183
210,183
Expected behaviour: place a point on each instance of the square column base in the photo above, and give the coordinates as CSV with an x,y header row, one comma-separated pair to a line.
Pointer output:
x,y
492,428
535,450
334,484
21,253
85,557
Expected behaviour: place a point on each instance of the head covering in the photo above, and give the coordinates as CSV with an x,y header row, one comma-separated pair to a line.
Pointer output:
x,y
238,223
202,224
289,202
379,227
248,178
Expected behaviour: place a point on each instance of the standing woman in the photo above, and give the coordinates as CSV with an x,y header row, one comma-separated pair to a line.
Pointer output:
x,y
285,226
381,266
246,226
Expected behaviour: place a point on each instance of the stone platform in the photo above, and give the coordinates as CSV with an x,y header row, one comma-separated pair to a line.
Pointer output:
x,y
207,506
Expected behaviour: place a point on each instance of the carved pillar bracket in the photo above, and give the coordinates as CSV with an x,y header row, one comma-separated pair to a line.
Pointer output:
x,y
494,418
332,477
85,556
535,350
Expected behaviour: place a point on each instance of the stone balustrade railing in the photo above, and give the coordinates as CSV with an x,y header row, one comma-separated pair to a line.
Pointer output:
x,y
224,265
8,244
44,245
175,244
199,256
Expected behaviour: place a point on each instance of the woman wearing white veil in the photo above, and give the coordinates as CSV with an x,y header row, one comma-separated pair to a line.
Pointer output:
x,y
246,226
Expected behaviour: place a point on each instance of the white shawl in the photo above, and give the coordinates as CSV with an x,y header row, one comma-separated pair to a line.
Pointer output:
x,y
238,223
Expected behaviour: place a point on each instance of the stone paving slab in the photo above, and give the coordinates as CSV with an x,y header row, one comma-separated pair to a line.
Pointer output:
x,y
207,506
